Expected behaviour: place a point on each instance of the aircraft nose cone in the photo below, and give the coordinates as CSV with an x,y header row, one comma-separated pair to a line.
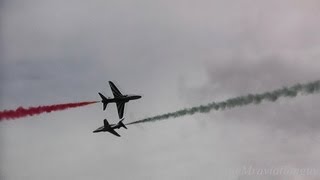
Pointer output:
x,y
136,97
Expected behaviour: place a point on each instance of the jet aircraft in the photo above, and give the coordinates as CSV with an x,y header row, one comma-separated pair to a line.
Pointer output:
x,y
119,99
110,127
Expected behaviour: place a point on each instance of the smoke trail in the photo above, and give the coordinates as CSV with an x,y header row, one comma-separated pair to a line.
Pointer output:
x,y
22,112
308,88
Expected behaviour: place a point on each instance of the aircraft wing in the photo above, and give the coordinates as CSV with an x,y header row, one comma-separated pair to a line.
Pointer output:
x,y
115,90
120,107
113,132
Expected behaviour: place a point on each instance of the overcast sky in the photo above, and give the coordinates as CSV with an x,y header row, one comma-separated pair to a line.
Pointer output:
x,y
175,54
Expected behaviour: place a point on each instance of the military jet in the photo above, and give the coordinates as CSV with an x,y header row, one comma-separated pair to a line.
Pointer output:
x,y
110,127
119,99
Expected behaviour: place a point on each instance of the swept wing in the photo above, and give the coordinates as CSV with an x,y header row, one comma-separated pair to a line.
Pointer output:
x,y
115,90
120,107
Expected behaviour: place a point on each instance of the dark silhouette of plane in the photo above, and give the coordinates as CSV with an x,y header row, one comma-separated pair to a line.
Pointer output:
x,y
110,127
119,99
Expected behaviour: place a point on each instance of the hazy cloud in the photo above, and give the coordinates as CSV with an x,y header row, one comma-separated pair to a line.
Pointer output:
x,y
176,54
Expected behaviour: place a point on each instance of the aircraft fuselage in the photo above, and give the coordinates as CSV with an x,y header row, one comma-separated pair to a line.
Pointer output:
x,y
125,98
103,128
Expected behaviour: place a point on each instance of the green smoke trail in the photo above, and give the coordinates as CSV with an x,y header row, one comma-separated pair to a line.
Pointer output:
x,y
308,88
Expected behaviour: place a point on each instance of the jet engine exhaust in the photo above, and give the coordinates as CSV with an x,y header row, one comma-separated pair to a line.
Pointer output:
x,y
30,111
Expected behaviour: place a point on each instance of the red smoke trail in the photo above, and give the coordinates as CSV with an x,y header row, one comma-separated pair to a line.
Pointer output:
x,y
22,112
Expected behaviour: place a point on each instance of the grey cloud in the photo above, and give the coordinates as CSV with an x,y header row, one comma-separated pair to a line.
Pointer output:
x,y
57,51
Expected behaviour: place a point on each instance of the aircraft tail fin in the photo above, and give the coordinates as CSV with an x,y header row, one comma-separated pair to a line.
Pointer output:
x,y
104,101
106,123
121,124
